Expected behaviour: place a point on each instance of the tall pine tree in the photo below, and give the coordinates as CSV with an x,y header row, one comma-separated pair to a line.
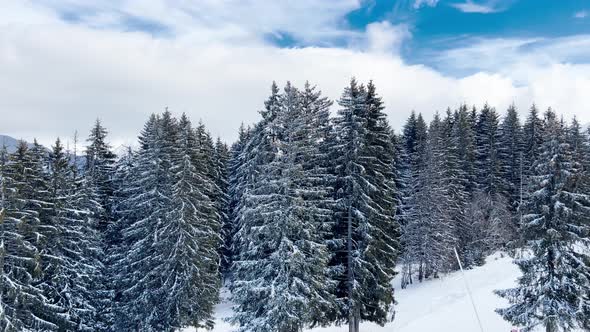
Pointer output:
x,y
280,281
100,161
167,270
365,226
555,284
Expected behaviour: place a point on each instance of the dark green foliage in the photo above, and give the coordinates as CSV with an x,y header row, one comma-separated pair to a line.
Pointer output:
x,y
365,228
26,206
462,174
279,280
511,157
555,283
167,265
532,140
100,161
221,159
305,215
487,137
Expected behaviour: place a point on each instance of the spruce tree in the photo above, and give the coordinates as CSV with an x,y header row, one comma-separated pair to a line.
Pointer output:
x,y
92,283
511,154
489,166
487,133
455,176
26,304
464,144
532,140
554,285
145,211
350,127
237,178
18,295
55,265
74,249
46,197
98,184
280,280
431,209
122,175
383,247
167,267
362,131
399,171
221,160
579,142
251,151
461,149
312,140
190,240
315,143
91,279
415,136
100,161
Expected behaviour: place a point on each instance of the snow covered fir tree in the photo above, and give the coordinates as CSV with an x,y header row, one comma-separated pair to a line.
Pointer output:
x,y
553,291
304,221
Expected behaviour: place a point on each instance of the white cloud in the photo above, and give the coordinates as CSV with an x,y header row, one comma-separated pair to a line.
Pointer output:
x,y
429,3
581,14
308,20
470,6
385,37
514,55
480,8
58,77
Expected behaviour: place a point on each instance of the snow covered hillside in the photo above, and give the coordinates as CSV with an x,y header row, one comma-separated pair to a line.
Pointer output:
x,y
437,305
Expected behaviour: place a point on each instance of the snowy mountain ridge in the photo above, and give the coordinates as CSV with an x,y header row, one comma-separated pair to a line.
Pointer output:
x,y
10,143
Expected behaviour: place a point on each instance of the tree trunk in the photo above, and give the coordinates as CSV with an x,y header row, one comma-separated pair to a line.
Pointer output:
x,y
354,321
420,272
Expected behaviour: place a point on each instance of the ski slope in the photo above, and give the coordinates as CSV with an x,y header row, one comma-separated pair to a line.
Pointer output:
x,y
436,305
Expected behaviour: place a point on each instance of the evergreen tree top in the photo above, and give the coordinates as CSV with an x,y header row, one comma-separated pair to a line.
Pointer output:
x,y
271,105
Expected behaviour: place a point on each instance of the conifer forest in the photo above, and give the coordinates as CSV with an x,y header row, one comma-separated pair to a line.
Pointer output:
x,y
305,220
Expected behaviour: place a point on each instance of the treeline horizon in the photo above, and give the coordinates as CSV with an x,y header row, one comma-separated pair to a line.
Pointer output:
x,y
306,218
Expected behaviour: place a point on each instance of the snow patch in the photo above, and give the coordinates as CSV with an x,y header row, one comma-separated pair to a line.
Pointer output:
x,y
435,305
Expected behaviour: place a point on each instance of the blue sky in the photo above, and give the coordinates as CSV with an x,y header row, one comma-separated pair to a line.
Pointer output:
x,y
66,62
431,21
435,25
447,24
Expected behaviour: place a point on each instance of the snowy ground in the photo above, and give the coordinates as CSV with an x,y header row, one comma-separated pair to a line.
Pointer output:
x,y
437,305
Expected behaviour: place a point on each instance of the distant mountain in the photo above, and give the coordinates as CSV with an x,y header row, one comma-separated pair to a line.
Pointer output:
x,y
123,149
10,143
